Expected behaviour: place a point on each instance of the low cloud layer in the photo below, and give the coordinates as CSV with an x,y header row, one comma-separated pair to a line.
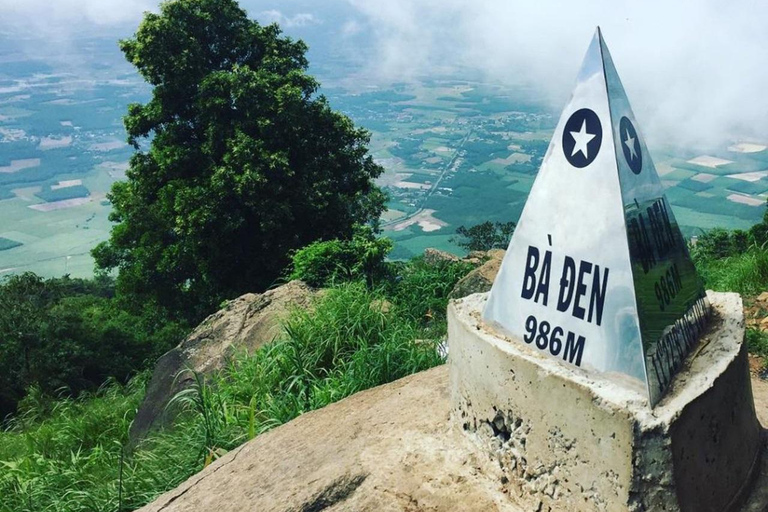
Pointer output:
x,y
694,70
71,15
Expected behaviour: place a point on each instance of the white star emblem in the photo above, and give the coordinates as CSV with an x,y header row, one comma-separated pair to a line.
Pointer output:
x,y
630,143
581,138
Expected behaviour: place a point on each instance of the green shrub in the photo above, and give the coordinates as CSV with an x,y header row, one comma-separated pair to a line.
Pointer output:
x,y
325,262
420,291
721,243
757,342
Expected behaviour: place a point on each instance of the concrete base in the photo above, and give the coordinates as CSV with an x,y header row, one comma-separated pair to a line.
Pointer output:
x,y
570,441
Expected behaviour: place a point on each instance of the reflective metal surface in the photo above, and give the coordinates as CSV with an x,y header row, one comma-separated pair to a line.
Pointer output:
x,y
597,273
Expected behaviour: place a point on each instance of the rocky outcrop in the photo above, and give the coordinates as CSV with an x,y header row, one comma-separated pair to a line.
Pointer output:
x,y
756,311
390,448
480,279
436,256
244,324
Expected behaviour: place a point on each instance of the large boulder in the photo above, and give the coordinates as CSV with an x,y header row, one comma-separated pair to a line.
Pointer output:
x,y
480,279
390,448
243,325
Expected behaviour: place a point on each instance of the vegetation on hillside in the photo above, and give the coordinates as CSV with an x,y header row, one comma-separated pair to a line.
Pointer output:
x,y
735,260
62,336
68,454
242,176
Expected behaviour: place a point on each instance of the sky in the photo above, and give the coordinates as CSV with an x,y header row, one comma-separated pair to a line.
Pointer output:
x,y
693,70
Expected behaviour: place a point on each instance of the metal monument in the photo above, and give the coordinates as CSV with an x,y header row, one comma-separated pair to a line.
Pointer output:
x,y
597,272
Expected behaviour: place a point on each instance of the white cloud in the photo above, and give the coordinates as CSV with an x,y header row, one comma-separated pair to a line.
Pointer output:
x,y
351,28
301,19
18,14
691,69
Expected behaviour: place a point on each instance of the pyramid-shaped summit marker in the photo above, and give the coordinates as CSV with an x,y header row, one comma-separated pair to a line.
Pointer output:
x,y
597,273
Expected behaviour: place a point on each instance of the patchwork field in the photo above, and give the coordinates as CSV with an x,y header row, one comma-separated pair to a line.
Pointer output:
x,y
455,152
466,153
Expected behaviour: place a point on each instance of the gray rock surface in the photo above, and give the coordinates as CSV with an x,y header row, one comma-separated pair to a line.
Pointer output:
x,y
480,279
244,324
435,256
390,448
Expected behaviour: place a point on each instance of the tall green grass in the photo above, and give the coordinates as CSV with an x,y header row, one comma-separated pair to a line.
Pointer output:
x,y
68,455
745,272
353,339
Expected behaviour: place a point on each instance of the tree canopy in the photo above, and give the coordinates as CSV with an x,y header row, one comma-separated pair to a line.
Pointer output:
x,y
245,161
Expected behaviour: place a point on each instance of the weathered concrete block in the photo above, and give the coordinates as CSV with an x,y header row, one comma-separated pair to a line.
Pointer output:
x,y
571,441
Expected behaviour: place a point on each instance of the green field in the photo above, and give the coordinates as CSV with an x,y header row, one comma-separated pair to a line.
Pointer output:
x,y
469,151
6,244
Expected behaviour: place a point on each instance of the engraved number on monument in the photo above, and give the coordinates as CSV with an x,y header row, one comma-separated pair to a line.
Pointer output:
x,y
597,273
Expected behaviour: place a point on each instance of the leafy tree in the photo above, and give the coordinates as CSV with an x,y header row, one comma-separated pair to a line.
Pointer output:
x,y
484,237
245,163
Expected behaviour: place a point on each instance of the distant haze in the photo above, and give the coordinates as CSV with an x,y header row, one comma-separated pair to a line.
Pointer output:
x,y
694,70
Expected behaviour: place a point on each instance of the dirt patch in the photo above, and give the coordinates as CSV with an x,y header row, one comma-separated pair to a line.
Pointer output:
x,y
18,165
390,215
66,184
748,200
425,220
27,193
747,147
411,185
61,205
663,169
709,161
514,158
107,146
704,177
54,143
749,176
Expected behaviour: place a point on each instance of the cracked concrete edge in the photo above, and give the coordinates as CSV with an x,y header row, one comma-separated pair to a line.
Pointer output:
x,y
485,365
